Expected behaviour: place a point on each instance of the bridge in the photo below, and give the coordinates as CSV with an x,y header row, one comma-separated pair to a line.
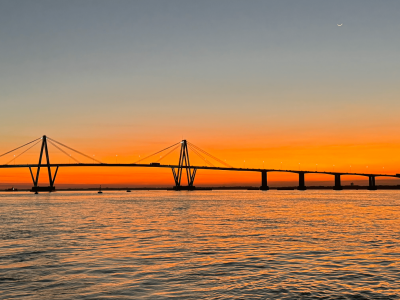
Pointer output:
x,y
182,167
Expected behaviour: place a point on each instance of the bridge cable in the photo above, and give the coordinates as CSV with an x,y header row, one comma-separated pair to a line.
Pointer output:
x,y
207,161
201,156
208,154
156,153
168,153
20,147
23,152
64,152
87,156
212,156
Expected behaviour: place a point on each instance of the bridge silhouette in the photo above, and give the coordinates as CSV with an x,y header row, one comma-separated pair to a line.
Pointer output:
x,y
178,170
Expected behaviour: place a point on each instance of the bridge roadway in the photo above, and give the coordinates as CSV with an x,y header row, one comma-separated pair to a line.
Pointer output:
x,y
195,167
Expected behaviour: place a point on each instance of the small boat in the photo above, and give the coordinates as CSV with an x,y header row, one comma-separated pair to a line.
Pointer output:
x,y
128,191
100,192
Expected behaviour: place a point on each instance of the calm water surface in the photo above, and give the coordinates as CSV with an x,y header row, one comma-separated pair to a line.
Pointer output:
x,y
200,245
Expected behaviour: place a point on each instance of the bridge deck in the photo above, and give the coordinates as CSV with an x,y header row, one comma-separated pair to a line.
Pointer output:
x,y
196,167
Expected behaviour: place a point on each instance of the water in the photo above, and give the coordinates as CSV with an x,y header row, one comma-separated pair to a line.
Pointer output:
x,y
200,245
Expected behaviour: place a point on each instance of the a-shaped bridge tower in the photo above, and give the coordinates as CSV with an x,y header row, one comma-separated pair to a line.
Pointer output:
x,y
184,165
44,149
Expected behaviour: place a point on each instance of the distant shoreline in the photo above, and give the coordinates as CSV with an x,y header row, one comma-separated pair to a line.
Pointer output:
x,y
221,188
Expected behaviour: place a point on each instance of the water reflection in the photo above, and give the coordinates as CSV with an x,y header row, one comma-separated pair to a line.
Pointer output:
x,y
208,244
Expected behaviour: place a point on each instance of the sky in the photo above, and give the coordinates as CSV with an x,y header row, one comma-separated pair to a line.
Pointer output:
x,y
257,83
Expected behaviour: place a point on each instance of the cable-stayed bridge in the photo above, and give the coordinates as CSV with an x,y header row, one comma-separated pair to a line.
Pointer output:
x,y
183,168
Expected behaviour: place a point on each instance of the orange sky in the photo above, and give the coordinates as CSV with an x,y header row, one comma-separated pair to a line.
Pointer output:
x,y
345,157
256,81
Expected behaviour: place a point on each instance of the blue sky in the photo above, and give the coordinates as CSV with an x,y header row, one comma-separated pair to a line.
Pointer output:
x,y
90,68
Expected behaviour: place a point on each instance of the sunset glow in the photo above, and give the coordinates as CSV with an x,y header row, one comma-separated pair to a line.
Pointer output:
x,y
262,82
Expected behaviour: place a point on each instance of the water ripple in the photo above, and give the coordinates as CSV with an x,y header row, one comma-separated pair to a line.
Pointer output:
x,y
208,245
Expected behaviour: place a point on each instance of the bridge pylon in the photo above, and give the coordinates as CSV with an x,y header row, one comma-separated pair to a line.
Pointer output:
x,y
51,187
184,164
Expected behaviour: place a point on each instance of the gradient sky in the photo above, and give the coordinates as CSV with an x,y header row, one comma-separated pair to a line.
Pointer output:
x,y
277,81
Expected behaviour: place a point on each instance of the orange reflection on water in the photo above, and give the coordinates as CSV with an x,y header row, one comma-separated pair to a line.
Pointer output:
x,y
202,244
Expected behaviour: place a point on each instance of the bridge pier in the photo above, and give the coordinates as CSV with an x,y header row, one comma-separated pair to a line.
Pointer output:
x,y
302,186
372,186
184,188
338,185
38,189
264,186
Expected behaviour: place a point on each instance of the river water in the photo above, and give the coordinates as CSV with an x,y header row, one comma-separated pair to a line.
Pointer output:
x,y
200,245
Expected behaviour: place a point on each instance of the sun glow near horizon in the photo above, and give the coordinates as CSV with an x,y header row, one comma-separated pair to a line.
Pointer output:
x,y
261,81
